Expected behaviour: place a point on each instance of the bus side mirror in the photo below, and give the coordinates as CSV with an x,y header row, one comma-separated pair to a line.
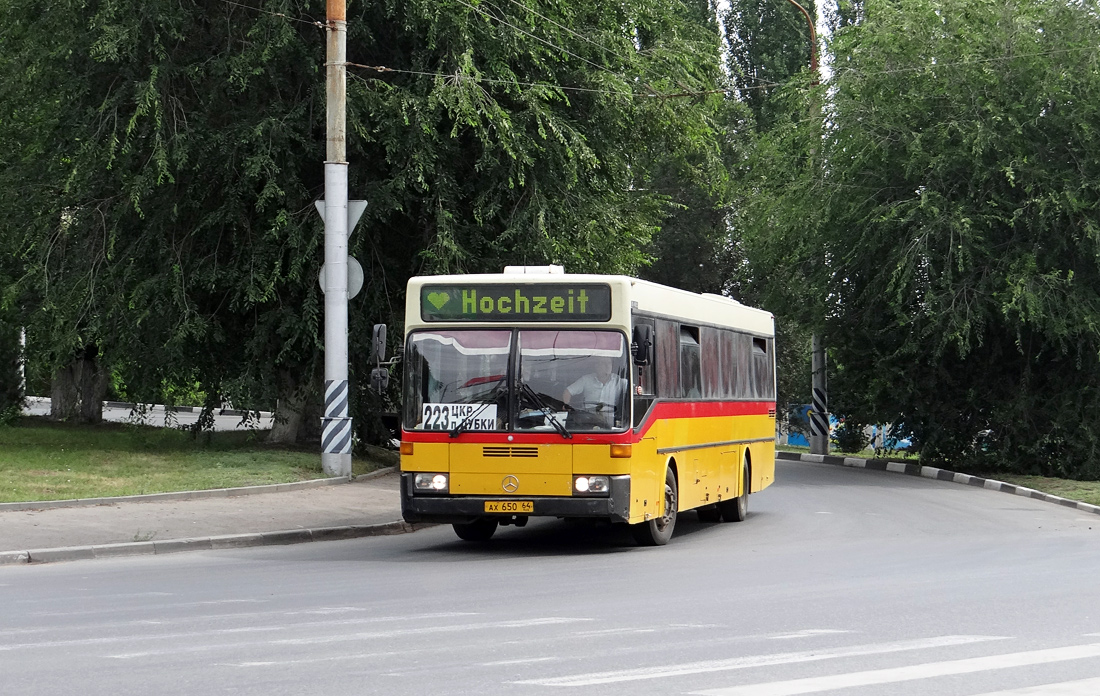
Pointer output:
x,y
641,344
379,379
378,344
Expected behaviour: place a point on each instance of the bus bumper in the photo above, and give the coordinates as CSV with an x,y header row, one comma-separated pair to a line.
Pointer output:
x,y
450,509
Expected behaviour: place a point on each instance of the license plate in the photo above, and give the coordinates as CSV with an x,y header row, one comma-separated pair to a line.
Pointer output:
x,y
510,507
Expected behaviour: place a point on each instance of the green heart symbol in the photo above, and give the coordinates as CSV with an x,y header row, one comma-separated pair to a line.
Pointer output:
x,y
438,299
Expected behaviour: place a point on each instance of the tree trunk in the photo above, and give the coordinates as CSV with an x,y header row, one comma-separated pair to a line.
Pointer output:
x,y
288,411
78,389
298,413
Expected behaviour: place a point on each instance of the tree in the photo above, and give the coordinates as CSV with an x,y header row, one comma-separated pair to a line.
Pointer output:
x,y
173,152
769,43
960,218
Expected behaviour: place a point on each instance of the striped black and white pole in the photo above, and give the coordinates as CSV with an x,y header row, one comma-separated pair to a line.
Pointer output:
x,y
336,430
819,410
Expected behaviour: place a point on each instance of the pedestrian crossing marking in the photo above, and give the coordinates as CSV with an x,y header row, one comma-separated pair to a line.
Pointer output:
x,y
706,666
812,685
1082,687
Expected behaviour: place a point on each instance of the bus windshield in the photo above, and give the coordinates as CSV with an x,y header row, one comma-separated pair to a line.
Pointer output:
x,y
520,380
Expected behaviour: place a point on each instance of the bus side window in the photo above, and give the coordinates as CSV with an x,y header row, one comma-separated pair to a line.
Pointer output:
x,y
743,357
729,365
762,369
689,363
712,363
645,384
668,359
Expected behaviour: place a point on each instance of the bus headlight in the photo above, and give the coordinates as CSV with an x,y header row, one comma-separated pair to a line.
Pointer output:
x,y
591,485
430,483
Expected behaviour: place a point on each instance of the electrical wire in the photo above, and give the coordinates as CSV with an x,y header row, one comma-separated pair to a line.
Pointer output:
x,y
565,28
536,38
980,61
312,22
651,95
458,76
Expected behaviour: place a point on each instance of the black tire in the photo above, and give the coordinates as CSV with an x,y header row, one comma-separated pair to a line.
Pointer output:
x,y
478,530
737,509
709,513
657,532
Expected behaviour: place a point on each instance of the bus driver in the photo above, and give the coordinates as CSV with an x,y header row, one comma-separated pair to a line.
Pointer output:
x,y
597,392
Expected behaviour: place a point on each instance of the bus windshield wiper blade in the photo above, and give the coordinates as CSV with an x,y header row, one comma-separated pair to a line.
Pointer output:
x,y
490,399
541,405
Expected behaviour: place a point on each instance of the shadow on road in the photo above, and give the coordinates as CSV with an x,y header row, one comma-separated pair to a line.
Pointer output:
x,y
542,537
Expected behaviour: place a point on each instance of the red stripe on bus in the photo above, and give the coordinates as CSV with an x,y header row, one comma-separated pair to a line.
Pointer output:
x,y
664,410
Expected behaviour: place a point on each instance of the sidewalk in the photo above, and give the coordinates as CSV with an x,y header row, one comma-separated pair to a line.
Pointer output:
x,y
366,506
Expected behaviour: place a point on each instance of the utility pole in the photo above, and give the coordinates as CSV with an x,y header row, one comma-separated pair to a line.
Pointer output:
x,y
819,388
336,425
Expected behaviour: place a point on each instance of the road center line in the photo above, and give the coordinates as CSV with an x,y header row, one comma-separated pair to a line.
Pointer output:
x,y
909,673
756,661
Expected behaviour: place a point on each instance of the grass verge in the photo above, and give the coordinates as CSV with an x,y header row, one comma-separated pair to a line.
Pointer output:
x,y
1084,491
44,460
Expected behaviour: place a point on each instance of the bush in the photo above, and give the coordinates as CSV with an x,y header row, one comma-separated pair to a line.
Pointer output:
x,y
850,436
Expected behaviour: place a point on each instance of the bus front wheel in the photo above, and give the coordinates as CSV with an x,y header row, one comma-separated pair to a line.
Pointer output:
x,y
657,532
478,530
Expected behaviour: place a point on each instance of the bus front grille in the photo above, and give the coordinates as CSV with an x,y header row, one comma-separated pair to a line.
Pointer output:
x,y
506,451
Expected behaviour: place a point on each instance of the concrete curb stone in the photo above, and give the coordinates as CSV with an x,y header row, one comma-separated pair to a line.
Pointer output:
x,y
939,475
229,541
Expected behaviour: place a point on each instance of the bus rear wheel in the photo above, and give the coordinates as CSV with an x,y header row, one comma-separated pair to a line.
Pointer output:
x,y
737,509
657,532
478,530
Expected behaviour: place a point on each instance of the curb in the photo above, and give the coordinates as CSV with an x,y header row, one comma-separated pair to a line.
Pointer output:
x,y
230,541
931,472
192,495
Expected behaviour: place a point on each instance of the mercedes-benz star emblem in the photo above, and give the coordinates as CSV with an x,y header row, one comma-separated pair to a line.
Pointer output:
x,y
510,484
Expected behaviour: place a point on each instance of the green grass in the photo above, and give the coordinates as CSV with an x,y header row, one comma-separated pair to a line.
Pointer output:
x,y
43,460
1084,491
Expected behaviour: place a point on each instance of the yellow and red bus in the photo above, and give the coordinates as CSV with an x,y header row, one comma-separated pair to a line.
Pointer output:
x,y
540,393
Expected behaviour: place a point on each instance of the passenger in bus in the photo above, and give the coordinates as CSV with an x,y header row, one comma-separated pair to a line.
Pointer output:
x,y
599,392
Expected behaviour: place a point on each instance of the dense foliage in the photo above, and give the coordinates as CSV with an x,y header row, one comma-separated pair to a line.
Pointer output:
x,y
950,218
163,159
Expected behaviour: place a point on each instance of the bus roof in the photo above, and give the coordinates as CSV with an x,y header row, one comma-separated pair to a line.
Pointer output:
x,y
627,294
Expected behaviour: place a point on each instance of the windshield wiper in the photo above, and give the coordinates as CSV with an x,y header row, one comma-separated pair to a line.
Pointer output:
x,y
541,405
490,399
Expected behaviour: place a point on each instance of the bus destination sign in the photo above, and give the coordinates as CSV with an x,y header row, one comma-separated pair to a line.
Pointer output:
x,y
511,302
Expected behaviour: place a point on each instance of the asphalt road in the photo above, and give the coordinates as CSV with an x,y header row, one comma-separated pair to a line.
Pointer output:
x,y
840,582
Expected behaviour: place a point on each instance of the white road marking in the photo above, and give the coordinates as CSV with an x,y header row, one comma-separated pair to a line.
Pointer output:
x,y
808,633
504,663
1083,687
898,674
614,632
344,637
756,661
198,633
134,638
328,658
